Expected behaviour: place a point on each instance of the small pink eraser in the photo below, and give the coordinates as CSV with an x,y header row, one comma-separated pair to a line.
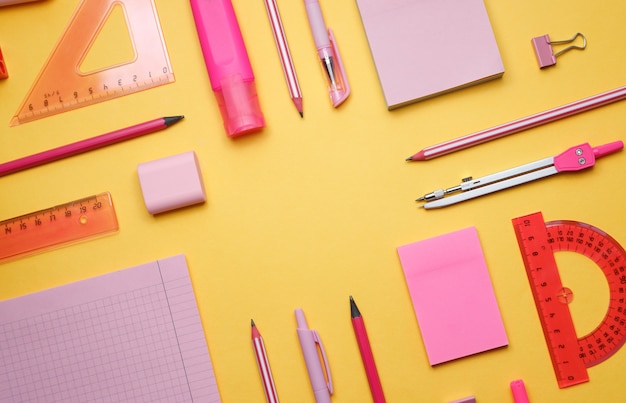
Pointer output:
x,y
470,399
172,182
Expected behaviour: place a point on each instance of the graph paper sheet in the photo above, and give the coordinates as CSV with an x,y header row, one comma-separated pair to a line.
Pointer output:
x,y
131,335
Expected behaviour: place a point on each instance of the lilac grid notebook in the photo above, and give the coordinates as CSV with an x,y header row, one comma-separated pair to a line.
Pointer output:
x,y
131,335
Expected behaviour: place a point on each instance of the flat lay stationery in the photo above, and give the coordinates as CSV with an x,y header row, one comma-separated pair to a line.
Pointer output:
x,y
149,257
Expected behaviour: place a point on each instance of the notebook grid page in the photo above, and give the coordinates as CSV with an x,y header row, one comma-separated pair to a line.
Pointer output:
x,y
145,344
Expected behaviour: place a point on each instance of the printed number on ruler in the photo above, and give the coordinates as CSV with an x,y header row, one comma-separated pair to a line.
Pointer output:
x,y
57,226
61,86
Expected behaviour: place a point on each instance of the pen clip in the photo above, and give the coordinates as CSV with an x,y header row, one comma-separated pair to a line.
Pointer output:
x,y
338,97
318,341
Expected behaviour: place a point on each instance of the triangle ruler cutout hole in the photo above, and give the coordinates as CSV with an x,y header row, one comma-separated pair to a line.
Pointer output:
x,y
112,46
76,73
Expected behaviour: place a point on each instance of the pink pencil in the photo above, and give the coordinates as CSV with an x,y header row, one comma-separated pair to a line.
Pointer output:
x,y
519,125
366,353
87,145
264,365
284,53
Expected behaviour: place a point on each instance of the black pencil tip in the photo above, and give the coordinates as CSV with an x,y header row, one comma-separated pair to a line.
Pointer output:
x,y
409,159
170,120
252,323
354,310
301,114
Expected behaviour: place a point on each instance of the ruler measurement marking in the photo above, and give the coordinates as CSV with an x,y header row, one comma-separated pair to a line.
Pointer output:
x,y
538,254
57,226
72,89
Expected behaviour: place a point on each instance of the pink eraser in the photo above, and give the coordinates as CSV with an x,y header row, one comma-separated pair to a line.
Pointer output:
x,y
172,182
470,399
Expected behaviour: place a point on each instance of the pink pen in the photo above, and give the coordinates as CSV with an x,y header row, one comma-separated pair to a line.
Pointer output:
x,y
309,342
334,72
519,391
228,66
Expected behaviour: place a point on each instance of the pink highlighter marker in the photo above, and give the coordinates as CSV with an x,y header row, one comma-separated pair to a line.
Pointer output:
x,y
228,66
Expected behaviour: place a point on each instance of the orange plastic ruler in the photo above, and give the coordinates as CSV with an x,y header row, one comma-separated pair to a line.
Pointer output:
x,y
538,240
61,86
56,226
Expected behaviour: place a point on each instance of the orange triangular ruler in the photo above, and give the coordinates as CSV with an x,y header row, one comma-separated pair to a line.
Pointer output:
x,y
61,86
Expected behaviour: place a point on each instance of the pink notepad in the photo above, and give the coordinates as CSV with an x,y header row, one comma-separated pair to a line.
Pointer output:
x,y
131,335
452,296
424,48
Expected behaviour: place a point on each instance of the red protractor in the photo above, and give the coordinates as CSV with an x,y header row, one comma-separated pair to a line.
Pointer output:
x,y
538,240
606,339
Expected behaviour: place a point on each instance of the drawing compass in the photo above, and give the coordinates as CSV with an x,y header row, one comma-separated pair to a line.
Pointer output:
x,y
573,159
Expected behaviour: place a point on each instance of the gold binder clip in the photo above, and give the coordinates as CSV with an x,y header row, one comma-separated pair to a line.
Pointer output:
x,y
544,52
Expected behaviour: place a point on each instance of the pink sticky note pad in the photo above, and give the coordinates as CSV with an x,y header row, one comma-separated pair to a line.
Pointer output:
x,y
172,182
452,296
425,48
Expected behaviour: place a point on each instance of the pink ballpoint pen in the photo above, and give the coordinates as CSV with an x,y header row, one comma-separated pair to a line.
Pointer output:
x,y
309,342
519,391
573,159
332,65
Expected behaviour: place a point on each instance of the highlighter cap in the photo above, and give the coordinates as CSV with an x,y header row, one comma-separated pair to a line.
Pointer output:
x,y
239,104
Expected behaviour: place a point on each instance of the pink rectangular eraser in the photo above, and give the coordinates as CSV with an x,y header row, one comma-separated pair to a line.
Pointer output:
x,y
452,295
470,399
172,182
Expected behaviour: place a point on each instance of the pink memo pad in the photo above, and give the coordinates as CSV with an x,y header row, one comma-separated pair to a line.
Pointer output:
x,y
424,48
452,296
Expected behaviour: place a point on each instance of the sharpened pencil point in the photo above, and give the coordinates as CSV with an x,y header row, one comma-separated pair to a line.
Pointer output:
x,y
170,120
252,322
354,310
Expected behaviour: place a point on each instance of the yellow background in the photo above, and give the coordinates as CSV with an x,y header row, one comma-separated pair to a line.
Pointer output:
x,y
309,211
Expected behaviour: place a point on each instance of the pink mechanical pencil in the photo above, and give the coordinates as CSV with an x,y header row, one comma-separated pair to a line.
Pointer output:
x,y
228,66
